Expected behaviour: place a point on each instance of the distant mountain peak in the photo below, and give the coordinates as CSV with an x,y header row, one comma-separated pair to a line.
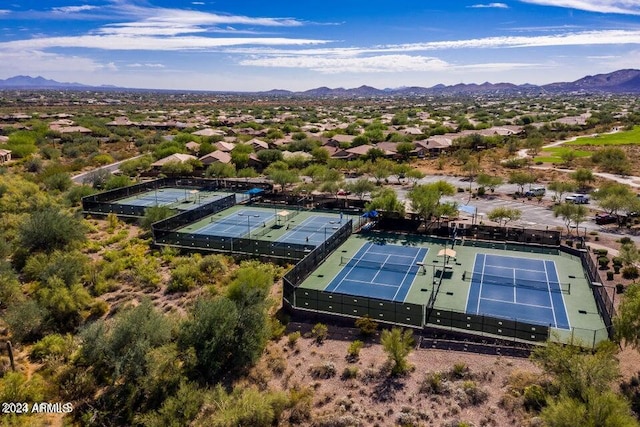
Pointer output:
x,y
35,83
620,81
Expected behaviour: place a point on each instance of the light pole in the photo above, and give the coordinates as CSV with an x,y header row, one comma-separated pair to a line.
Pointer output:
x,y
249,222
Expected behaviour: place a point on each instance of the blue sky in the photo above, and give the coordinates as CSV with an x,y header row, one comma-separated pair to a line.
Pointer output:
x,y
297,45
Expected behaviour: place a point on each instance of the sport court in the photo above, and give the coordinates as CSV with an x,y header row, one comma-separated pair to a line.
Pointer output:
x,y
379,271
367,270
176,197
312,230
241,223
517,288
273,224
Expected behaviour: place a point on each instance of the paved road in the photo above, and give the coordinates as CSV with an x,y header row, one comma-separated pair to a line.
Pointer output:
x,y
79,179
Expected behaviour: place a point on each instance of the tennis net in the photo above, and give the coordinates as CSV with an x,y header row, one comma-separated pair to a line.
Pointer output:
x,y
387,266
325,228
253,222
266,228
489,279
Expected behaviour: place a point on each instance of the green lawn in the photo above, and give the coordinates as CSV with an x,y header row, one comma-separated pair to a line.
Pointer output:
x,y
554,154
630,137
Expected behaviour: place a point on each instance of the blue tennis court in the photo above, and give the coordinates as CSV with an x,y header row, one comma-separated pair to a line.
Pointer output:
x,y
379,271
313,230
238,224
525,289
161,197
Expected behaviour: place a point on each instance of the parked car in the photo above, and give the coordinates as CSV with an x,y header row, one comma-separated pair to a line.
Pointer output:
x,y
605,218
577,198
535,191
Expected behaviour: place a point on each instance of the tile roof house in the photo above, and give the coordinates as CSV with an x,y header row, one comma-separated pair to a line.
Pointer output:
x,y
122,121
258,144
178,157
5,156
224,146
192,146
209,132
216,157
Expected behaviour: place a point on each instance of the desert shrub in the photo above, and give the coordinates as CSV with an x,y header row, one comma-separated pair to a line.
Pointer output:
x,y
459,371
353,352
54,345
609,275
292,338
349,372
619,288
323,371
630,272
625,240
534,397
601,252
320,332
603,262
617,261
367,325
475,395
433,383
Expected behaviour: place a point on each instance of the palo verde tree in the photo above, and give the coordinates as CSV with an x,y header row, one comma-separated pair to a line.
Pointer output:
x,y
426,200
521,179
571,213
560,188
386,200
397,343
503,215
627,321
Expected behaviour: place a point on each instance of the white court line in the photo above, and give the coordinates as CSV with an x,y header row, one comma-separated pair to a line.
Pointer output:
x,y
519,303
546,273
369,283
407,272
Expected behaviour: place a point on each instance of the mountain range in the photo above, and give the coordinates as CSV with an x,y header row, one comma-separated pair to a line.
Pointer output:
x,y
621,81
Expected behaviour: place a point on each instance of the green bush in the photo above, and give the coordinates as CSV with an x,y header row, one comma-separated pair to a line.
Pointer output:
x,y
630,272
617,261
534,397
350,372
601,252
609,275
619,288
353,352
320,332
367,326
55,345
292,338
603,262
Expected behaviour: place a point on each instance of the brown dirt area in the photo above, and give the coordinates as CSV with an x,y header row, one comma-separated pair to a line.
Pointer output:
x,y
476,395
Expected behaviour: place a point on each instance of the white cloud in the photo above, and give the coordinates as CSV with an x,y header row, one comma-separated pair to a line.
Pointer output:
x,y
333,65
130,42
567,39
4,12
627,7
25,62
585,38
490,6
73,9
139,65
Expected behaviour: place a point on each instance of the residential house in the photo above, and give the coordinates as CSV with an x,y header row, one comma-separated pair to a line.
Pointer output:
x,y
122,121
192,146
178,157
258,144
216,157
5,156
336,140
209,132
224,146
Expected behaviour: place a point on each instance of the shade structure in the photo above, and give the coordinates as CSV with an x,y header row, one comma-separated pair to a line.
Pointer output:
x,y
447,253
283,213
